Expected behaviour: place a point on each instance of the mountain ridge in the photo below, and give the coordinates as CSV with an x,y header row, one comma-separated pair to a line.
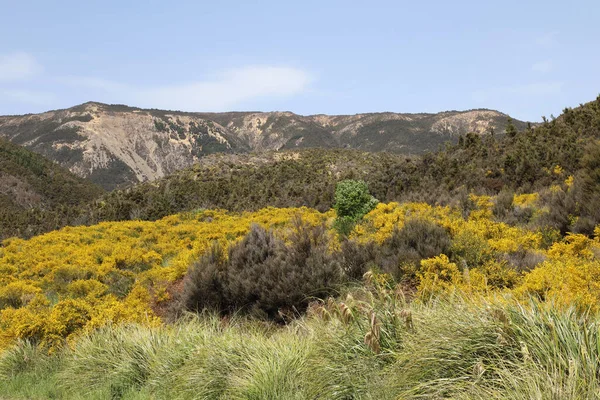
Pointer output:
x,y
118,145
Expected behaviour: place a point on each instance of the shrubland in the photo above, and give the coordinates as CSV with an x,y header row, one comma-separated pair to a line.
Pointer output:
x,y
56,285
37,195
479,282
416,301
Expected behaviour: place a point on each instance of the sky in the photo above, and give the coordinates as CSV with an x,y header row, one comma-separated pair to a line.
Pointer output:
x,y
526,58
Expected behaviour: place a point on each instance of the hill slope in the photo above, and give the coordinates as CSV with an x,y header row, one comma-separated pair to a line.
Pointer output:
x,y
34,191
534,159
116,145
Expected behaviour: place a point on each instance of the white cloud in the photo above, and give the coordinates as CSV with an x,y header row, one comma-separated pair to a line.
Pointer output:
x,y
542,66
227,90
18,66
29,96
523,91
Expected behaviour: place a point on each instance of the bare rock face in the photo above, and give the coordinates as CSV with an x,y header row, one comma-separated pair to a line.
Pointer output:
x,y
115,145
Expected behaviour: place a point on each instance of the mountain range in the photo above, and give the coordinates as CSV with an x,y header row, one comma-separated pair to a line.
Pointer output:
x,y
116,146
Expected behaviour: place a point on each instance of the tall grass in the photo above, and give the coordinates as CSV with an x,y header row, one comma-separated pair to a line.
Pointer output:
x,y
368,345
559,355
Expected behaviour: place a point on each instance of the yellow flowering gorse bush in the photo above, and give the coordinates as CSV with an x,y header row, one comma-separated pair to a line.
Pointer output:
x,y
79,278
56,285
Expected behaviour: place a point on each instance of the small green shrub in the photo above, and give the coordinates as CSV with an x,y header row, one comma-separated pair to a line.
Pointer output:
x,y
352,201
344,225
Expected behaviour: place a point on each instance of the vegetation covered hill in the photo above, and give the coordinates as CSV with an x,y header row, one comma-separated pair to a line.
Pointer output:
x,y
533,159
115,145
37,195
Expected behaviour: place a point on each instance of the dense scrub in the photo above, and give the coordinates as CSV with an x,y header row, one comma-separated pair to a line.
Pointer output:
x,y
58,285
265,275
530,160
37,195
463,295
409,332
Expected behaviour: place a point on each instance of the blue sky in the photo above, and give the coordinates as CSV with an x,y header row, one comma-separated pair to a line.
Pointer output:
x,y
525,58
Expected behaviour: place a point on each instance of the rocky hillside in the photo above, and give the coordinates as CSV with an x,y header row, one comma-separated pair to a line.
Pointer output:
x,y
115,145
